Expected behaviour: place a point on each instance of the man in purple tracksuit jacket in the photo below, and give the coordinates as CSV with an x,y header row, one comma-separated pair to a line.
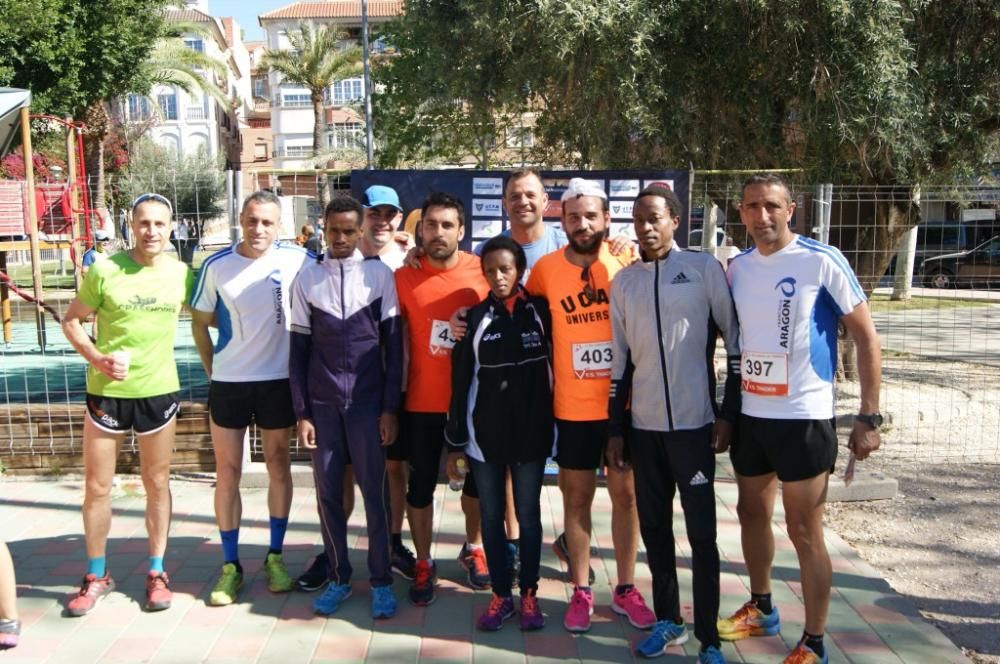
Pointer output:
x,y
345,368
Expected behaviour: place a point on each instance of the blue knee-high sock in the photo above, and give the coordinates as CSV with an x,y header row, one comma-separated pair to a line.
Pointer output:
x,y
278,528
97,566
156,564
230,545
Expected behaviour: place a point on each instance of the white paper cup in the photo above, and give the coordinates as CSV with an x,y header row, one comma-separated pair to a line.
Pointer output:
x,y
122,359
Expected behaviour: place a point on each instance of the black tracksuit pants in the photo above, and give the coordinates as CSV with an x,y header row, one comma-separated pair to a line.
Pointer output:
x,y
665,462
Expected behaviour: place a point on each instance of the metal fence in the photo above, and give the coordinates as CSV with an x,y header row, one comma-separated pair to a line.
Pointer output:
x,y
941,381
939,324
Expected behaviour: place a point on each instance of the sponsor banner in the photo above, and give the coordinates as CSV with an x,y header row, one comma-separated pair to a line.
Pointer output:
x,y
487,186
620,209
486,228
486,207
624,188
669,184
618,228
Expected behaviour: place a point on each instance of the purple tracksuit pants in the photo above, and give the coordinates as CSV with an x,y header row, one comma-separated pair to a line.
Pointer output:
x,y
343,438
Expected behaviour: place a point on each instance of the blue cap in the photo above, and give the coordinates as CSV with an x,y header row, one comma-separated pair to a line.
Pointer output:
x,y
377,194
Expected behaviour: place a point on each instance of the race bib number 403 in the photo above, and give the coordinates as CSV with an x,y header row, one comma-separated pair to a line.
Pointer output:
x,y
765,374
441,340
592,360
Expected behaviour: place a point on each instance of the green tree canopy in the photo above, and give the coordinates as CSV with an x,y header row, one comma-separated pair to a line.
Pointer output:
x,y
195,184
71,53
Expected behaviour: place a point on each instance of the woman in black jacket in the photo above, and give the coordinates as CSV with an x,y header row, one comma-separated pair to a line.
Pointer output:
x,y
501,417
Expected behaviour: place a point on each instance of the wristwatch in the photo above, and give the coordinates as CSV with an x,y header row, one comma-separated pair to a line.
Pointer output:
x,y
874,420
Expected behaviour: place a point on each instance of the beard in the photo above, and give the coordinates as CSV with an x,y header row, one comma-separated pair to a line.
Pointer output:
x,y
591,246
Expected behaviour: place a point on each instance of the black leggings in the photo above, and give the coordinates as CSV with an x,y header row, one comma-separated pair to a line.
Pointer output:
x,y
425,440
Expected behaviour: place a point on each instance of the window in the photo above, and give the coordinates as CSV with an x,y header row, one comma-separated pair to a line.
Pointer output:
x,y
168,105
348,91
138,108
259,87
260,152
195,45
520,137
345,135
298,151
296,100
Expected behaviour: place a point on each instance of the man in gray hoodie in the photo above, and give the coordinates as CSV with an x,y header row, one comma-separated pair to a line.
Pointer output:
x,y
663,362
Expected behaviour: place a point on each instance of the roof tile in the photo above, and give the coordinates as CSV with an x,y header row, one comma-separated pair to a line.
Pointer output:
x,y
336,9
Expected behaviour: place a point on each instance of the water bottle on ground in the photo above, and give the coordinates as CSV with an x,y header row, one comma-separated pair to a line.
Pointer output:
x,y
463,470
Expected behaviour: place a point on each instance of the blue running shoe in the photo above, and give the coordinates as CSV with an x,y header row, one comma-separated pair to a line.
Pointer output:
x,y
665,633
711,655
331,598
383,602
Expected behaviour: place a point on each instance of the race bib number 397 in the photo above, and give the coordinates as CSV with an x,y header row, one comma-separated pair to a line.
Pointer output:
x,y
441,341
765,374
592,360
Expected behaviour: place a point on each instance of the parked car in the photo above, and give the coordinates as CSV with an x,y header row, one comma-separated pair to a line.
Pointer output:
x,y
694,239
976,267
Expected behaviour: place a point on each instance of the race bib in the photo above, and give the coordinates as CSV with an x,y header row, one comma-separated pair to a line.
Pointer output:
x,y
764,374
592,360
441,340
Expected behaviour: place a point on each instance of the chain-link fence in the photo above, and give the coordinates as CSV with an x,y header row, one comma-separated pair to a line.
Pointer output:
x,y
941,344
930,257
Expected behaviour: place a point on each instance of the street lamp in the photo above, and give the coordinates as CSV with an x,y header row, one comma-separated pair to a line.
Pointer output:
x,y
369,139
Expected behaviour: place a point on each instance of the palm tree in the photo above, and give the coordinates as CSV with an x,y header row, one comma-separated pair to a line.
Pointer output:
x,y
171,63
315,61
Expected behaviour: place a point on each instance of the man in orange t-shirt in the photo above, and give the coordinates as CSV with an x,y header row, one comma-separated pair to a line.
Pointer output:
x,y
576,281
446,280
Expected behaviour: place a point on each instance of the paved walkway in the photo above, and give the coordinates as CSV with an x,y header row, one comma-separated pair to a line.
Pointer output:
x,y
869,623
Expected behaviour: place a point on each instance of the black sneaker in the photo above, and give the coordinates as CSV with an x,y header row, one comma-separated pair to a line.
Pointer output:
x,y
424,578
474,563
316,576
404,563
562,552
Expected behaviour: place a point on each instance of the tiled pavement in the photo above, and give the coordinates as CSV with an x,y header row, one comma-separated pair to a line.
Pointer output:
x,y
869,623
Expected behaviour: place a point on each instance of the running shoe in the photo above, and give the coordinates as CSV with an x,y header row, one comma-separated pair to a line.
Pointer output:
x,y
278,580
316,576
331,598
10,633
158,595
711,655
403,562
581,607
424,578
665,633
531,614
383,602
803,654
631,605
226,588
500,609
474,562
749,621
92,591
562,553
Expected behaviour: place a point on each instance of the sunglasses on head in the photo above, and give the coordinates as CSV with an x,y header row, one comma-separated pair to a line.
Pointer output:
x,y
589,287
143,198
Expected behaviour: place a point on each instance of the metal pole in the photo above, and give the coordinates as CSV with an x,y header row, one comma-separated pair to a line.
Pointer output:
x,y
369,134
234,227
827,212
36,256
818,216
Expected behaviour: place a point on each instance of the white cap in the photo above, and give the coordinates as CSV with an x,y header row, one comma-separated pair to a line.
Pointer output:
x,y
579,187
101,234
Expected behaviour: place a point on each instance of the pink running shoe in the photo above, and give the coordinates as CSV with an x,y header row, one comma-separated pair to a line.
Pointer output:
x,y
631,605
581,607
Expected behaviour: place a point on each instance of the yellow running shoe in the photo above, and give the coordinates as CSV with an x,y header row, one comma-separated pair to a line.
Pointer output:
x,y
226,588
278,580
749,621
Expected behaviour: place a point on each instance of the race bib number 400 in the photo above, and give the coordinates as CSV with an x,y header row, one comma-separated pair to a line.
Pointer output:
x,y
441,340
765,374
592,360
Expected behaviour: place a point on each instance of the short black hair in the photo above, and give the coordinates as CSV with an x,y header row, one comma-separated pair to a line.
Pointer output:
x,y
522,173
505,243
767,179
441,199
341,204
667,194
262,196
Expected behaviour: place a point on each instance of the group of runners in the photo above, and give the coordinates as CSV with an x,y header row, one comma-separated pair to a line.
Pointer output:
x,y
550,342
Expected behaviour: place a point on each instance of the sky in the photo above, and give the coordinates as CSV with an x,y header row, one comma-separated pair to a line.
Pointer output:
x,y
246,12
